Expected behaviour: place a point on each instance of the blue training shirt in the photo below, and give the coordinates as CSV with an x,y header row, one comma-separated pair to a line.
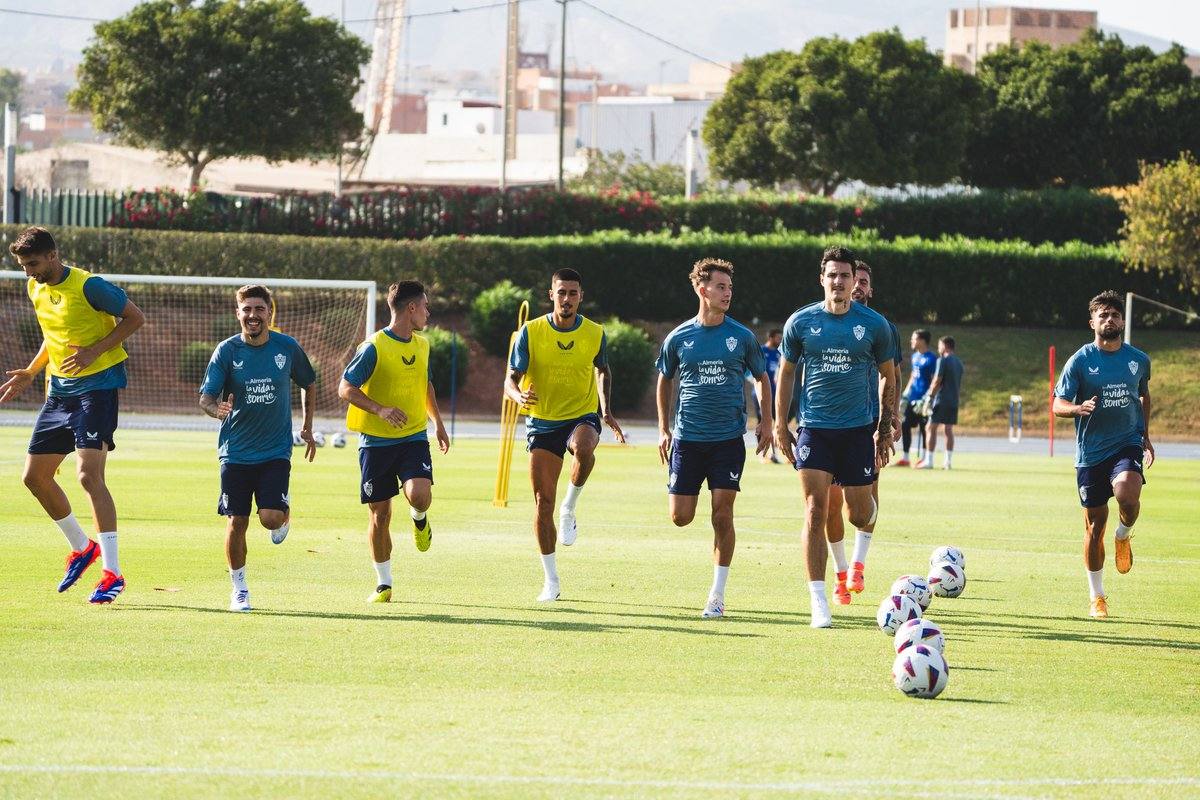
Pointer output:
x,y
109,299
358,372
836,353
923,365
259,377
1117,381
519,360
771,358
711,362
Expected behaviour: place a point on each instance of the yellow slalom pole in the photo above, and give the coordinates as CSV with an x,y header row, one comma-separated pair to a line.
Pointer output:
x,y
508,424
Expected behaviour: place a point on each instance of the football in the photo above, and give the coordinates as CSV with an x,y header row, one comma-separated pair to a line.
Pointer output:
x,y
948,554
920,631
915,587
894,611
947,580
920,671
338,440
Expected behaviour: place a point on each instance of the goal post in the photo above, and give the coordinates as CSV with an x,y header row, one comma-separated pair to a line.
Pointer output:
x,y
186,317
1188,316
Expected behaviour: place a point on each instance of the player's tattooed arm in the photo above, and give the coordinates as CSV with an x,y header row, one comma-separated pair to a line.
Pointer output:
x,y
604,382
217,409
1147,446
512,389
884,442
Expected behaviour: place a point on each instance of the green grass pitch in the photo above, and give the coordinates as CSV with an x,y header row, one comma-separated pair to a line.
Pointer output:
x,y
464,687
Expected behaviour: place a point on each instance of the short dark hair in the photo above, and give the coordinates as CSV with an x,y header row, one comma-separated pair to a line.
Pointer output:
x,y
948,341
839,253
254,290
1107,299
33,241
774,332
924,335
864,266
566,274
401,294
703,269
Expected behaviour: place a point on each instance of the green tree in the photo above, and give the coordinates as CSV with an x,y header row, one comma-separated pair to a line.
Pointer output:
x,y
223,78
613,171
880,109
1082,115
10,87
1162,227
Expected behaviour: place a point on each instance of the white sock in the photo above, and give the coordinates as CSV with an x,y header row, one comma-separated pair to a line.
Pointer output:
x,y
862,540
1123,531
108,551
416,515
929,454
383,570
720,575
549,568
816,591
838,549
238,576
949,457
1096,582
75,535
572,496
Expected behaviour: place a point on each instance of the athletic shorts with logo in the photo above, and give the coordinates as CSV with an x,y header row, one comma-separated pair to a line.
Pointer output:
x,y
267,483
385,469
944,414
557,440
693,463
846,453
1095,482
875,476
75,422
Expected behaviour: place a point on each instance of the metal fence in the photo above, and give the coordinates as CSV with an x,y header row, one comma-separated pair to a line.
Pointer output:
x,y
57,208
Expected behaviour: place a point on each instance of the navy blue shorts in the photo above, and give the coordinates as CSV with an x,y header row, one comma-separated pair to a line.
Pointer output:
x,y
944,414
80,422
875,477
1095,482
556,440
266,482
720,463
385,469
846,453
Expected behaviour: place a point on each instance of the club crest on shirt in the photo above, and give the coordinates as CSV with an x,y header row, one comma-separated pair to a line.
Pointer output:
x,y
803,452
1133,368
731,343
280,360
859,332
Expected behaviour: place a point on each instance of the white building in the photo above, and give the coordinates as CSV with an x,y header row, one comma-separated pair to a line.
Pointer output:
x,y
460,116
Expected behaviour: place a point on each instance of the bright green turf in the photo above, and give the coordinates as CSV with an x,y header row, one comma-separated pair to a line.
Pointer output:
x,y
464,687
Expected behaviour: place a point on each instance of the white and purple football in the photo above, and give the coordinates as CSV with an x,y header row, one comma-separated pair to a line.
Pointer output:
x,y
915,587
920,631
947,580
920,671
894,611
950,554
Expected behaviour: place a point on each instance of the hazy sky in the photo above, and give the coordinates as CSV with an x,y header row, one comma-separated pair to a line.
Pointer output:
x,y
719,29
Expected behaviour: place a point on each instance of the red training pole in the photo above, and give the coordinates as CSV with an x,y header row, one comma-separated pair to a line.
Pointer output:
x,y
1052,401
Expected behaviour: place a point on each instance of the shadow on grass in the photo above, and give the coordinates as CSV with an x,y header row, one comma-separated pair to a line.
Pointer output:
x,y
974,699
957,667
1082,620
450,619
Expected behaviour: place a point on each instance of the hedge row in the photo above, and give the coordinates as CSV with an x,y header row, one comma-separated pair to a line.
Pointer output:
x,y
1058,215
645,277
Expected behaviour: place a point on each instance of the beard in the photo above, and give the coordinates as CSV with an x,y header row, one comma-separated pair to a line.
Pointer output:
x,y
1108,334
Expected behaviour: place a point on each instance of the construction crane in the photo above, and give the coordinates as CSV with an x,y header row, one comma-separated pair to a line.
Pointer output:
x,y
379,91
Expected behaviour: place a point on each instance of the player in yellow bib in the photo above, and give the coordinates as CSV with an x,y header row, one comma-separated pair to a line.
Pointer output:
x,y
84,319
558,374
390,395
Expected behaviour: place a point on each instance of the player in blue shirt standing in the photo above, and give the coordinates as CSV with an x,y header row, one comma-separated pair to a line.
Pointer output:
x,y
836,342
1105,386
710,354
923,364
772,356
253,372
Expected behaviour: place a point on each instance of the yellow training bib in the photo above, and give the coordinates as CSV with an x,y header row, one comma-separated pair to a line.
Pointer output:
x,y
562,369
66,317
400,380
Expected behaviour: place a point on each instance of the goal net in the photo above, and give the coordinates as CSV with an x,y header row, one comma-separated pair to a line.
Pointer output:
x,y
186,317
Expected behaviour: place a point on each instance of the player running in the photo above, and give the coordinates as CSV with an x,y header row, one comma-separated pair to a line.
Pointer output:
x,y
84,320
253,372
559,375
838,342
710,354
1105,386
390,395
850,576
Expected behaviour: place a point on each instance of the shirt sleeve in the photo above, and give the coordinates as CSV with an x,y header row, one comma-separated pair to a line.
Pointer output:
x,y
601,359
1144,383
881,343
302,369
755,363
1068,382
668,359
793,341
215,374
520,354
937,368
104,296
359,370
897,354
